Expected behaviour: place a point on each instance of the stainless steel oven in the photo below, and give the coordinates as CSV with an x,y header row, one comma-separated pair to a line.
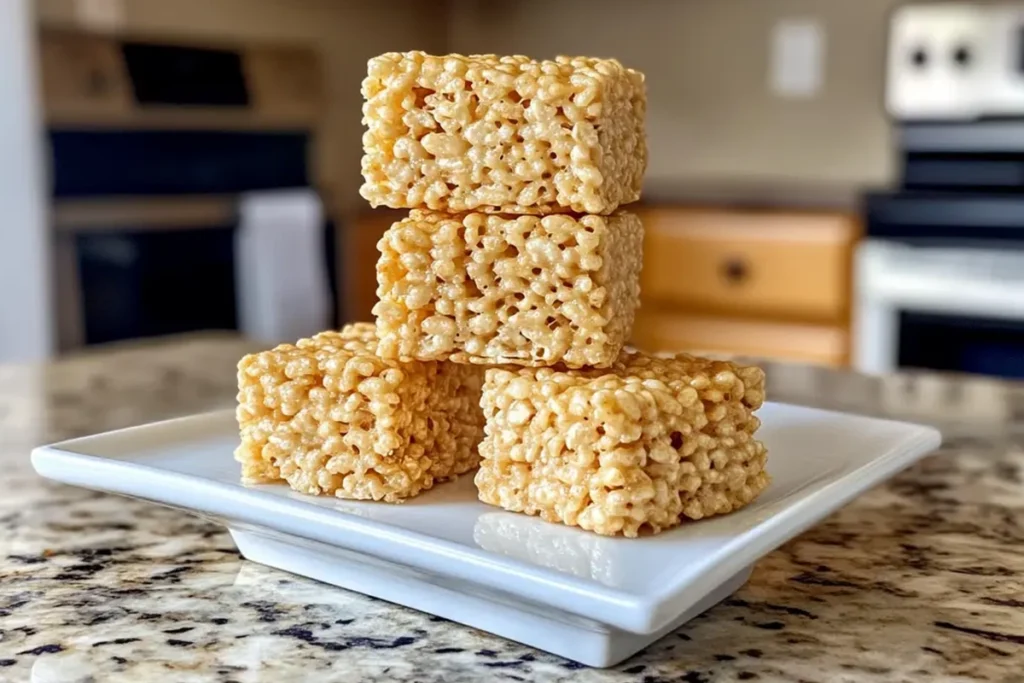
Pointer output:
x,y
152,152
146,241
939,279
953,307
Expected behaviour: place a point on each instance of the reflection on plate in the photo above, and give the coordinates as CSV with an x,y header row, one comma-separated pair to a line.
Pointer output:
x,y
549,545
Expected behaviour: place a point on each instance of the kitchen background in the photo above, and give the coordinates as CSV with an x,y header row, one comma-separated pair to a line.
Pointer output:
x,y
830,182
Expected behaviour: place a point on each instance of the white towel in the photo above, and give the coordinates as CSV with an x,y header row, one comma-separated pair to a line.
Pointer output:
x,y
281,276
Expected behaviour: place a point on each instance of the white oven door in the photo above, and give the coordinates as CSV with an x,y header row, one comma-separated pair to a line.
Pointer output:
x,y
944,309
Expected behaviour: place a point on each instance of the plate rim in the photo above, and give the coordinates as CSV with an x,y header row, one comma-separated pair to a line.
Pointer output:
x,y
639,613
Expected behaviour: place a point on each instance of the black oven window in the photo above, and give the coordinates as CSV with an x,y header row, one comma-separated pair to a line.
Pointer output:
x,y
982,346
145,284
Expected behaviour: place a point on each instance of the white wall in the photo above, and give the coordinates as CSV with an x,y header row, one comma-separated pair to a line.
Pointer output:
x,y
26,321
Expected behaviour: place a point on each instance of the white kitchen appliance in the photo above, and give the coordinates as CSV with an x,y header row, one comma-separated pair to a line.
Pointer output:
x,y
182,188
939,279
940,308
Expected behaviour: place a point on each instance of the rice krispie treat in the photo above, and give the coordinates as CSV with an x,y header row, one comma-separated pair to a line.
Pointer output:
x,y
329,416
490,289
502,134
637,447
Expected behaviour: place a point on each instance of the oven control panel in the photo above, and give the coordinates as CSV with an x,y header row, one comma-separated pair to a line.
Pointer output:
x,y
955,61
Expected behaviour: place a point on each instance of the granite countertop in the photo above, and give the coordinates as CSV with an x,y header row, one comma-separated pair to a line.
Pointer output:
x,y
921,579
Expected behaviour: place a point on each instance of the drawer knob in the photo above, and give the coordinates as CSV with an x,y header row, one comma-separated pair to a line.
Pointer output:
x,y
735,270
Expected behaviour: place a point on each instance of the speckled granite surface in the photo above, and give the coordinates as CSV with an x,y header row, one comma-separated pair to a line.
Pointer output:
x,y
922,579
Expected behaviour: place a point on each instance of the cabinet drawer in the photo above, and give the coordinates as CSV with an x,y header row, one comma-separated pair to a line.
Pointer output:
x,y
768,264
672,331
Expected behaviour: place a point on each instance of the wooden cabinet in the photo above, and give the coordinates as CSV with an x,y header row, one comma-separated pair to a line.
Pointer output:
x,y
760,283
763,266
358,260
673,331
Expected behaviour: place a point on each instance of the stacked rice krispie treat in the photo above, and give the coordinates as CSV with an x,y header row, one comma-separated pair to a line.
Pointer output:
x,y
515,251
505,302
517,255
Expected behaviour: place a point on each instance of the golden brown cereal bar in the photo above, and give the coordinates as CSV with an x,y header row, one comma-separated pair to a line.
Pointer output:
x,y
329,416
527,290
637,447
502,134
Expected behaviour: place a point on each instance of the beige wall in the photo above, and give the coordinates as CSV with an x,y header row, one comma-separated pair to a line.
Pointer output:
x,y
712,117
346,32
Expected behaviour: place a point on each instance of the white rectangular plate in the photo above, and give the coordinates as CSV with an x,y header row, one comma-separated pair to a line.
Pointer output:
x,y
592,599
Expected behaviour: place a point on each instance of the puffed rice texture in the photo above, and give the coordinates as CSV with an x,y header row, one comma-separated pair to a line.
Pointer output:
x,y
502,134
636,448
329,416
492,289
